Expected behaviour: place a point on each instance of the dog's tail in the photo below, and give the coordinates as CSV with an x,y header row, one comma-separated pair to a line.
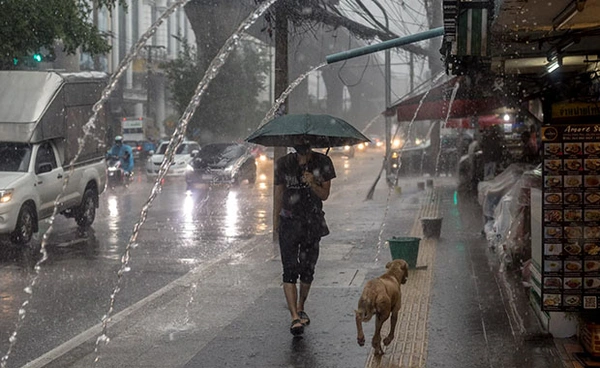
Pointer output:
x,y
363,314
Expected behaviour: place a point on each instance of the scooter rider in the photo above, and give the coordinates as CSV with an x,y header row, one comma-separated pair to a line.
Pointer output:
x,y
124,153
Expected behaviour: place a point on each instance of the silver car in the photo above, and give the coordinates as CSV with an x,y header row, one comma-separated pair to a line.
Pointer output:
x,y
183,156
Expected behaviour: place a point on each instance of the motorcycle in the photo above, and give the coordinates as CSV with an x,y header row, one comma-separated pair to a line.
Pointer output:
x,y
116,175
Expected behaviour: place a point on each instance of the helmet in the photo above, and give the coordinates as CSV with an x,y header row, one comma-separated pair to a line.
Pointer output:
x,y
119,139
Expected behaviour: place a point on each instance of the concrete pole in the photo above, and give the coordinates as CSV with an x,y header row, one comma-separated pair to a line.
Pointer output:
x,y
129,33
114,21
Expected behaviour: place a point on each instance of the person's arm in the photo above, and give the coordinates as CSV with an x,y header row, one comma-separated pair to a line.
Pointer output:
x,y
320,189
277,205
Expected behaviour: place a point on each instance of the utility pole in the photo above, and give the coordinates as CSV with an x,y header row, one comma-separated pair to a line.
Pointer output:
x,y
388,103
412,71
388,119
281,83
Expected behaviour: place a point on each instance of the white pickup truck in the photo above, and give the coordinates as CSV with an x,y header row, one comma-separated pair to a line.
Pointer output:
x,y
42,114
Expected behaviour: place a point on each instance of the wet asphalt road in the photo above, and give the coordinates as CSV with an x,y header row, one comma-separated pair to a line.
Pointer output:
x,y
73,287
72,291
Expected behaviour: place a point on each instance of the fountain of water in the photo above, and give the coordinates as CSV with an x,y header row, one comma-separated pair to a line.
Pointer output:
x,y
452,97
396,177
174,143
88,127
271,113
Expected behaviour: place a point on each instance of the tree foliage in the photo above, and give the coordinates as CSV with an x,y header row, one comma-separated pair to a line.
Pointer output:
x,y
229,109
30,26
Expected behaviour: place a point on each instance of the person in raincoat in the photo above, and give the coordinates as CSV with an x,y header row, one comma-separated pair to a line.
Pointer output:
x,y
302,183
124,153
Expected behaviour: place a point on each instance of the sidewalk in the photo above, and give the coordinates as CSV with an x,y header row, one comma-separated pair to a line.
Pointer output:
x,y
458,310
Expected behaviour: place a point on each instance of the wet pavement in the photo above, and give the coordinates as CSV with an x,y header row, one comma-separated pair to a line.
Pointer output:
x,y
458,309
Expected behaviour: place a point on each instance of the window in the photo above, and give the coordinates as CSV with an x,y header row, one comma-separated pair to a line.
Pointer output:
x,y
14,156
45,156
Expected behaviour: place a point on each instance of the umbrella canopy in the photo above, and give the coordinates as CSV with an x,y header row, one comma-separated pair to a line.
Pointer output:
x,y
320,131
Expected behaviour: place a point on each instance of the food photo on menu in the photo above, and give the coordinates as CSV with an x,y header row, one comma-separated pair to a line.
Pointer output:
x,y
552,300
552,249
553,232
553,165
572,300
592,181
592,148
573,148
592,232
591,249
592,215
553,198
573,215
573,232
592,198
572,283
553,216
553,282
591,283
553,266
591,266
572,165
553,181
572,249
573,266
553,148
573,198
592,164
572,181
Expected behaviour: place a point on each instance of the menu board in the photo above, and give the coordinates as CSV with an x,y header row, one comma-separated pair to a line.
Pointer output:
x,y
571,217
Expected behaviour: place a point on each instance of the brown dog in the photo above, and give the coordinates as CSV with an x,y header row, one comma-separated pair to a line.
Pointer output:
x,y
381,297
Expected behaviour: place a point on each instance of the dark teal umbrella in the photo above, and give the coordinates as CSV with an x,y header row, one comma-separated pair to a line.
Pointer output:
x,y
320,131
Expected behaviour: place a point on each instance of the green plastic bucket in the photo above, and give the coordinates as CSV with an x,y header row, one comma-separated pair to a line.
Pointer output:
x,y
406,249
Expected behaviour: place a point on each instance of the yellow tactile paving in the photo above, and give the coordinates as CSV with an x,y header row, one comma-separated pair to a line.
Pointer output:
x,y
409,347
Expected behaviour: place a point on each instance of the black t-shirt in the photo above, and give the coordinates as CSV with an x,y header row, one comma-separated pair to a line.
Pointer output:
x,y
298,198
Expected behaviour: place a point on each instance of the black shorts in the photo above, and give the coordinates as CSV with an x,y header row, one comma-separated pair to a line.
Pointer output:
x,y
299,251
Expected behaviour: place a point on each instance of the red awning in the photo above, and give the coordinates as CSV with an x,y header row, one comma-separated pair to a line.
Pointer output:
x,y
475,122
469,101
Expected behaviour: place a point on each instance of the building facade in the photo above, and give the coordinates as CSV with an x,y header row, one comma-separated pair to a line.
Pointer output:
x,y
142,89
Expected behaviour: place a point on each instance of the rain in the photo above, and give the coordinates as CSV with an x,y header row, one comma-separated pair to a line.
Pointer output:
x,y
460,138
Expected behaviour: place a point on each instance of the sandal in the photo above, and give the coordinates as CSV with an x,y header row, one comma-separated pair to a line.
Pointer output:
x,y
304,316
297,330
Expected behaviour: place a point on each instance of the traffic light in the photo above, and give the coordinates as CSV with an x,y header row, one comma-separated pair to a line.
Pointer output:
x,y
37,57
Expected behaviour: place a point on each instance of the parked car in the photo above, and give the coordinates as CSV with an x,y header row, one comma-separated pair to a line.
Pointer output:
x,y
37,145
183,156
221,163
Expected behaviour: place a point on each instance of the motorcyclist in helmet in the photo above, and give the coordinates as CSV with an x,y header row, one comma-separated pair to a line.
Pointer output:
x,y
124,153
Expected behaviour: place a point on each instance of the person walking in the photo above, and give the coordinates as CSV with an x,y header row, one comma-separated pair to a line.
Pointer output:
x,y
302,182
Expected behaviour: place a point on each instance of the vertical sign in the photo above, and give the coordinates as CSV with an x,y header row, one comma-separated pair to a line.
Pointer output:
x,y
571,217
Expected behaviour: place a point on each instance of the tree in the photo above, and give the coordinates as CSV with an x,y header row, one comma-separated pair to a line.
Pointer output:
x,y
229,109
29,27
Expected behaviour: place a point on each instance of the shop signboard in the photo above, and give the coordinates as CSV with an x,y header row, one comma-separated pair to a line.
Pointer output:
x,y
571,217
